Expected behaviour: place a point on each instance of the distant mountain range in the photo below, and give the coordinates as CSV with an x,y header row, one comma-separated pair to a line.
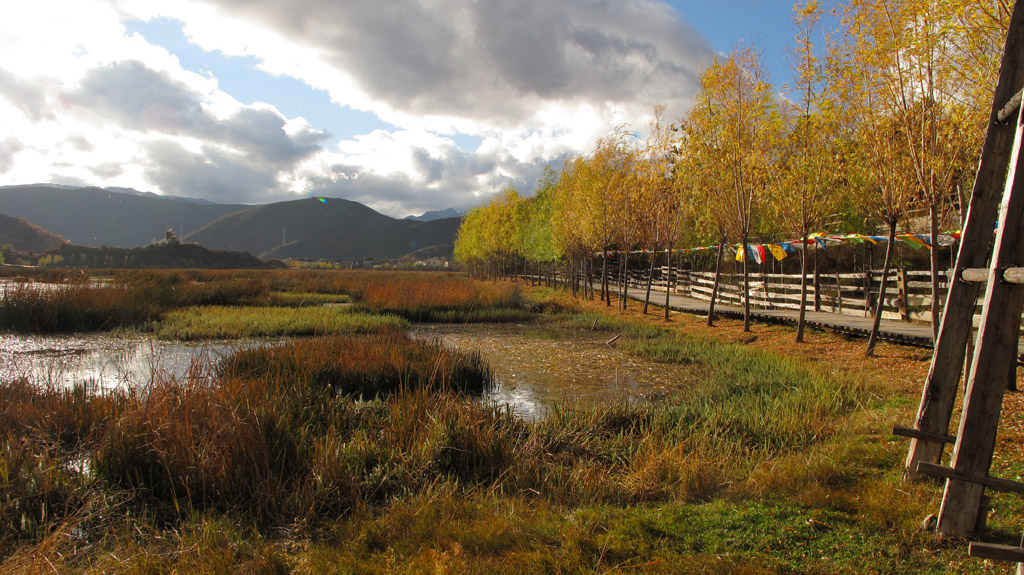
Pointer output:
x,y
436,215
98,217
323,229
314,228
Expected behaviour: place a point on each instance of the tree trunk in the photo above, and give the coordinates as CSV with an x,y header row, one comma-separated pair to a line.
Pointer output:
x,y
714,288
873,338
605,295
650,278
570,272
668,280
592,272
625,277
802,317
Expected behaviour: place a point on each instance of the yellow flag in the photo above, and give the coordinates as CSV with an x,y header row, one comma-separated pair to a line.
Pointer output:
x,y
777,251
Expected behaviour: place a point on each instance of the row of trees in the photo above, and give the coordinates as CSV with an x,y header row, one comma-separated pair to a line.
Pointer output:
x,y
881,127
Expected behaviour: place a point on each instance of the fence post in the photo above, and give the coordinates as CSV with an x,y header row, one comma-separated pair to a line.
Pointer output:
x,y
839,291
867,293
901,295
817,283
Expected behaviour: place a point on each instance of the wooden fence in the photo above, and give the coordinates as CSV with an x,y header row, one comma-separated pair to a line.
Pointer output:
x,y
908,293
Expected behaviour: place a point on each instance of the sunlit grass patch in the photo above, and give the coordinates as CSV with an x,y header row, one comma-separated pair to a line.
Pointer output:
x,y
299,299
216,322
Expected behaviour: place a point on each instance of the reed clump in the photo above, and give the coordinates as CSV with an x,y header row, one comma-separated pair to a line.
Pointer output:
x,y
40,308
440,297
280,432
49,302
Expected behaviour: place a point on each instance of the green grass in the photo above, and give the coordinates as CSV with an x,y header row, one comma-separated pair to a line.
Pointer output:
x,y
300,299
216,322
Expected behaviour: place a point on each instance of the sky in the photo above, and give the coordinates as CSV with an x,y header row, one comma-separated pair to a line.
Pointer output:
x,y
403,105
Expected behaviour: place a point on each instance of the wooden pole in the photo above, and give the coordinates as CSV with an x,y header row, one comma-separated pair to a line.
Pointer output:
x,y
746,286
996,348
668,280
839,291
801,321
955,328
902,294
817,280
867,292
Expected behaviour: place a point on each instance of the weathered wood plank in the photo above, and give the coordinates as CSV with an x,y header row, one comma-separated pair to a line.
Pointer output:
x,y
995,350
940,386
912,433
1013,275
949,473
996,552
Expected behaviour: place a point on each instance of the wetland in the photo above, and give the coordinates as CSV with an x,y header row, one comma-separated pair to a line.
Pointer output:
x,y
457,426
533,368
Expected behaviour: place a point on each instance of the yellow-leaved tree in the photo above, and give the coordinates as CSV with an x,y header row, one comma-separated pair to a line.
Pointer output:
x,y
736,127
809,186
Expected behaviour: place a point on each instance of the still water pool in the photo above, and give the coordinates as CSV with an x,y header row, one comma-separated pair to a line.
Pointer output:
x,y
533,369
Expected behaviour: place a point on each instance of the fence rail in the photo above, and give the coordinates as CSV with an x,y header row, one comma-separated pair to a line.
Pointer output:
x,y
908,293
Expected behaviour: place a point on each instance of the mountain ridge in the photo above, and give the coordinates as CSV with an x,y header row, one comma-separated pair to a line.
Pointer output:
x,y
323,228
309,228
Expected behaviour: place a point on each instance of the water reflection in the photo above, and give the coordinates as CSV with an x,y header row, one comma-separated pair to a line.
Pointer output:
x,y
105,361
536,369
14,284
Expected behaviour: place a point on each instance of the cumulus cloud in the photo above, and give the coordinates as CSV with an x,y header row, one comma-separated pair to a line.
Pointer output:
x,y
82,100
29,96
237,158
441,176
146,100
497,62
211,173
8,148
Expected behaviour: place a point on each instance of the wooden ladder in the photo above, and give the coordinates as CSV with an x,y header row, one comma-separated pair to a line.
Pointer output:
x,y
998,193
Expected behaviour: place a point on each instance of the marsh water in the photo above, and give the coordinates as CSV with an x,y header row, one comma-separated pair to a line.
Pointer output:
x,y
106,361
533,369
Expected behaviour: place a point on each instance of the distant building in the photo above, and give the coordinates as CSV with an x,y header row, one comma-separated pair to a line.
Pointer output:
x,y
433,263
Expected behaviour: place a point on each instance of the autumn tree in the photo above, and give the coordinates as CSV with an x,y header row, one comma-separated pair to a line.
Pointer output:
x,y
699,175
737,124
489,239
535,226
877,165
919,65
808,190
660,209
